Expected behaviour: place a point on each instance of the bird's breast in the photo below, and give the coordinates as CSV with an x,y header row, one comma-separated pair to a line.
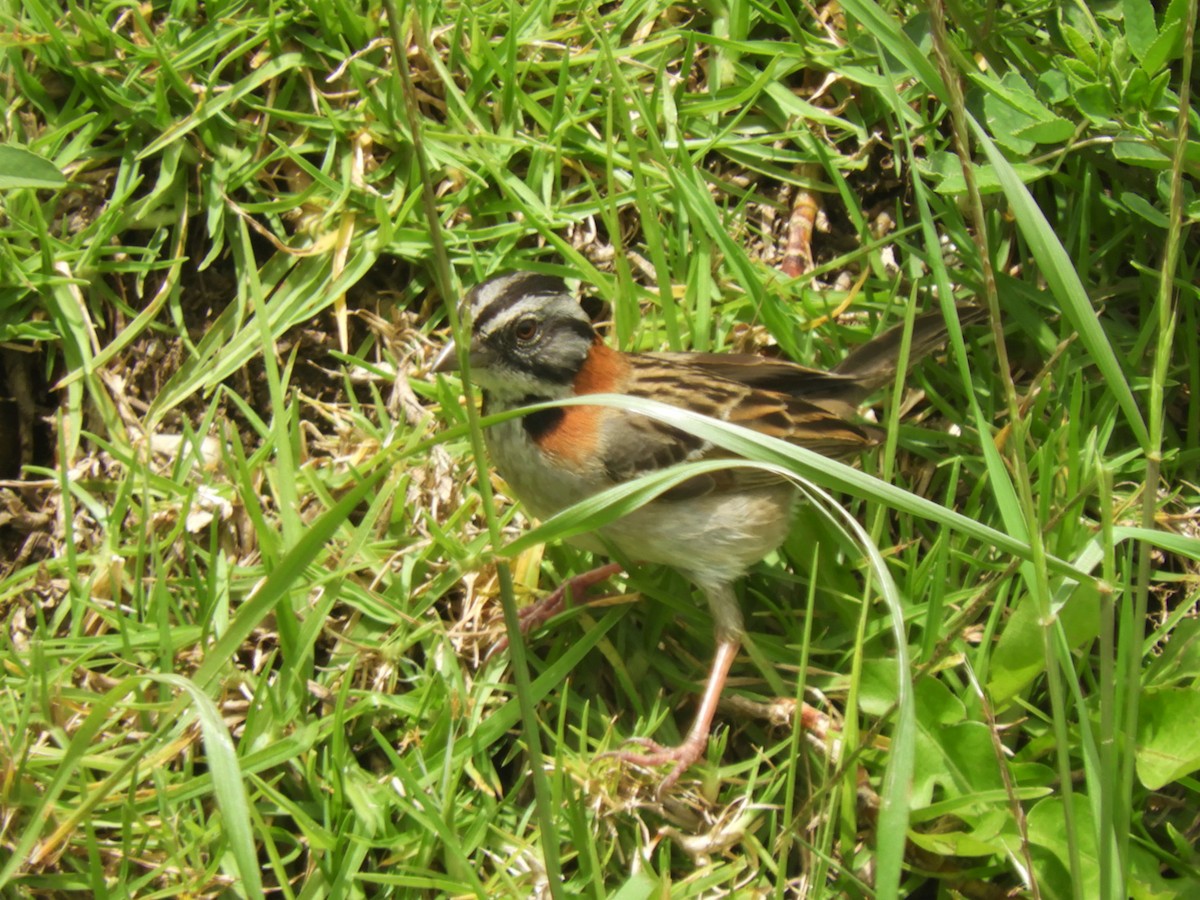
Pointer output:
x,y
713,537
545,475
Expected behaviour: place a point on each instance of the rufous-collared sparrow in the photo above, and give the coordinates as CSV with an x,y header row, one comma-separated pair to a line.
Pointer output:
x,y
532,341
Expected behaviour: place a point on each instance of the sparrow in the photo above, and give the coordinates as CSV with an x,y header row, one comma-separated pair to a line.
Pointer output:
x,y
531,341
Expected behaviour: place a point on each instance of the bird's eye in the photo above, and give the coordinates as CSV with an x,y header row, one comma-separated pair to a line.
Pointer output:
x,y
526,329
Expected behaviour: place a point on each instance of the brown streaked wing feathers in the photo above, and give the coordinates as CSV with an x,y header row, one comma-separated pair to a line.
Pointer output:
x,y
776,375
864,370
807,407
689,382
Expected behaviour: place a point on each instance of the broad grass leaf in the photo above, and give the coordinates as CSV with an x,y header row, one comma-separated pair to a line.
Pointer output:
x,y
1168,741
1019,656
1048,835
960,759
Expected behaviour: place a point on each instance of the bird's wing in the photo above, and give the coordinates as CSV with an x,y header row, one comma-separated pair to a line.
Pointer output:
x,y
639,444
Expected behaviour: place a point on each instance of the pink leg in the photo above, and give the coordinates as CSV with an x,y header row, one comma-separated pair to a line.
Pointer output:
x,y
536,614
693,745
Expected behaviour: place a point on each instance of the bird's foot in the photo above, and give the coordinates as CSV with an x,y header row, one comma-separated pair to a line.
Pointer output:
x,y
537,614
654,754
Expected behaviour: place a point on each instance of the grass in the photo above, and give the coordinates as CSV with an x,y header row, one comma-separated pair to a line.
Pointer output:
x,y
251,568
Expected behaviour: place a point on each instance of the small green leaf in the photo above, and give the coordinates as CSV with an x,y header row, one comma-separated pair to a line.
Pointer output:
x,y
1013,89
1156,89
1019,656
1136,85
639,886
1136,203
1096,102
1169,44
1011,106
1047,832
1140,29
937,705
1079,72
1081,48
958,758
1054,130
28,331
1017,117
1004,122
946,170
21,168
956,843
1139,152
1052,87
1180,658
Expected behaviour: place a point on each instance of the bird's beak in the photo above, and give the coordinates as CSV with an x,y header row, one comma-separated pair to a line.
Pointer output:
x,y
447,360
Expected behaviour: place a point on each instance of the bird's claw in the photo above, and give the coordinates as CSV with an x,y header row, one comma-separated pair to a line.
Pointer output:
x,y
656,754
537,614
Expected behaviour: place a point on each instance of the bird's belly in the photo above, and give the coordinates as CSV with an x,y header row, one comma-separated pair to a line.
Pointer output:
x,y
714,537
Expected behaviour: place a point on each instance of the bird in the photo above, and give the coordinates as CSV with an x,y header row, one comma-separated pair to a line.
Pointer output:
x,y
532,341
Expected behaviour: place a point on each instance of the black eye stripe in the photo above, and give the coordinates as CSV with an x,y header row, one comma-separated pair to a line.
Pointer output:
x,y
553,326
580,328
